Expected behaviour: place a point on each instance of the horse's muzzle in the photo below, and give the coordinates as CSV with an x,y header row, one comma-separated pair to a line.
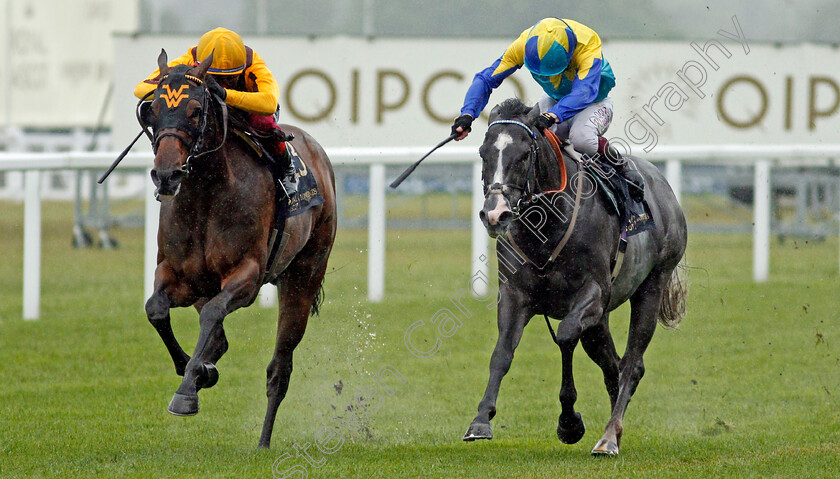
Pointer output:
x,y
496,215
167,182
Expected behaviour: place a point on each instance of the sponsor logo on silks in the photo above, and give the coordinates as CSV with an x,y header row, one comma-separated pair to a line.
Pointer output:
x,y
173,98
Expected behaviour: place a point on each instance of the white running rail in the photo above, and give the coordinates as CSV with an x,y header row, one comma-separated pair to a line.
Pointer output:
x,y
762,157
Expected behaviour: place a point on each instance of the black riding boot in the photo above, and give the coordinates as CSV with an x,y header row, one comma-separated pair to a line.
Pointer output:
x,y
288,170
284,161
635,182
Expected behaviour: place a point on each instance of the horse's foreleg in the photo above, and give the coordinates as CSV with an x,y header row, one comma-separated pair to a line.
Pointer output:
x,y
598,344
512,318
587,308
644,307
157,310
239,289
219,340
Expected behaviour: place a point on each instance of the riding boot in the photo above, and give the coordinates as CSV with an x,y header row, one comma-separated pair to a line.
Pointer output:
x,y
287,168
635,182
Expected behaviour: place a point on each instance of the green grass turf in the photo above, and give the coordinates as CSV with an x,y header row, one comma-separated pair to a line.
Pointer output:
x,y
748,386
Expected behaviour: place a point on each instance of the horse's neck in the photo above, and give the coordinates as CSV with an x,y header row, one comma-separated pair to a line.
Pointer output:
x,y
551,213
548,176
207,181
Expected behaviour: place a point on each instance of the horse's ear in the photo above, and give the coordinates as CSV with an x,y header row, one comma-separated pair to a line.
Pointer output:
x,y
201,70
532,115
494,114
163,63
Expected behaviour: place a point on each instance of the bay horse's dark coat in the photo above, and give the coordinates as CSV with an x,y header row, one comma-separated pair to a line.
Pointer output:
x,y
215,221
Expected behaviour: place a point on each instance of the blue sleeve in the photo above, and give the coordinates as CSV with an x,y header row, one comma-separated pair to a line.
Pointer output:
x,y
584,92
483,84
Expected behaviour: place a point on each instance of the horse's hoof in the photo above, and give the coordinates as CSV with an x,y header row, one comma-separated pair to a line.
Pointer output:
x,y
208,378
478,431
570,429
183,405
605,448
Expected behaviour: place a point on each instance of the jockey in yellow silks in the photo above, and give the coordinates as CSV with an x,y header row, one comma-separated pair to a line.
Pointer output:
x,y
240,77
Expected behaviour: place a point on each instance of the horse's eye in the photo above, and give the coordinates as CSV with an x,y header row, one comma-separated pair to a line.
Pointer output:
x,y
195,113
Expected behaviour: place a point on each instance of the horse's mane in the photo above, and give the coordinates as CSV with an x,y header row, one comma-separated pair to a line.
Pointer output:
x,y
179,69
512,108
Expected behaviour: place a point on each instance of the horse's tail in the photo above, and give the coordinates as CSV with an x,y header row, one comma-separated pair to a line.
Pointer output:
x,y
672,307
317,301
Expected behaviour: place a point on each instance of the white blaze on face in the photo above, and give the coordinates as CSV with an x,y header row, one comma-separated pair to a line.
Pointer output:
x,y
502,141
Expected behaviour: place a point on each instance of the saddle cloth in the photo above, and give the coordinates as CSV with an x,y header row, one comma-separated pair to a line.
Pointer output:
x,y
308,194
633,216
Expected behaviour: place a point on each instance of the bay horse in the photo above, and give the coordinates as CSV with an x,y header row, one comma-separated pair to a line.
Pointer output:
x,y
555,249
217,208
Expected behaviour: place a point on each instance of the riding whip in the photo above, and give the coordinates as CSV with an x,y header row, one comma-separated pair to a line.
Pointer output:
x,y
119,158
411,168
143,129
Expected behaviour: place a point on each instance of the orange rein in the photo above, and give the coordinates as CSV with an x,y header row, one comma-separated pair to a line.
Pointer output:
x,y
555,144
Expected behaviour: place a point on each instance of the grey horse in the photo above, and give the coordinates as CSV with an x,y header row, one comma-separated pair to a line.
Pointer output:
x,y
557,248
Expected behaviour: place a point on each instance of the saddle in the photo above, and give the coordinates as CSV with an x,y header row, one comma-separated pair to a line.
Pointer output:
x,y
633,216
308,191
260,142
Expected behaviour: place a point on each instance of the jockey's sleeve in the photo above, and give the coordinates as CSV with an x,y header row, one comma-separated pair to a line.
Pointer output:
x,y
151,82
263,90
491,77
587,63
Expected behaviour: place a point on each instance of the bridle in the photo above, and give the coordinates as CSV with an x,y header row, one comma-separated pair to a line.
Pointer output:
x,y
193,137
529,193
528,197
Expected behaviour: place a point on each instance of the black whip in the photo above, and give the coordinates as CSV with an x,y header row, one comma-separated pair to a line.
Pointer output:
x,y
119,158
411,168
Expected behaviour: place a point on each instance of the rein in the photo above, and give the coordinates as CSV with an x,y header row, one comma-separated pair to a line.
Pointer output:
x,y
563,240
532,159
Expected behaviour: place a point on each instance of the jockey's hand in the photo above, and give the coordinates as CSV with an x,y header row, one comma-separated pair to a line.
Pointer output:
x,y
546,120
462,125
214,87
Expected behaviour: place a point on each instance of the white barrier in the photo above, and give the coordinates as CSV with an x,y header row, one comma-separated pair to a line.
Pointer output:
x,y
762,156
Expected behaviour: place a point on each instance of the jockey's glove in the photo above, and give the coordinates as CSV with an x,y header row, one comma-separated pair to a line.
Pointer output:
x,y
214,87
546,120
464,121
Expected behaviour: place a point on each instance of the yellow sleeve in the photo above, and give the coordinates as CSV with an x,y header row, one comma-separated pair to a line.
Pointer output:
x,y
514,56
263,90
588,49
151,82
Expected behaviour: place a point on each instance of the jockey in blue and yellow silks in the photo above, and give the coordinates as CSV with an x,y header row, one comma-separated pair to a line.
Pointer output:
x,y
565,58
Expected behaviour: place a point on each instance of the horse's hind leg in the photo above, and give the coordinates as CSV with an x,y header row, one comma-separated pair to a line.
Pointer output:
x,y
512,318
644,307
299,287
598,344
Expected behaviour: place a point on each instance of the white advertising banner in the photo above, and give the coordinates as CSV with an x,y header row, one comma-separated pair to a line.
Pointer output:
x,y
406,92
57,59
